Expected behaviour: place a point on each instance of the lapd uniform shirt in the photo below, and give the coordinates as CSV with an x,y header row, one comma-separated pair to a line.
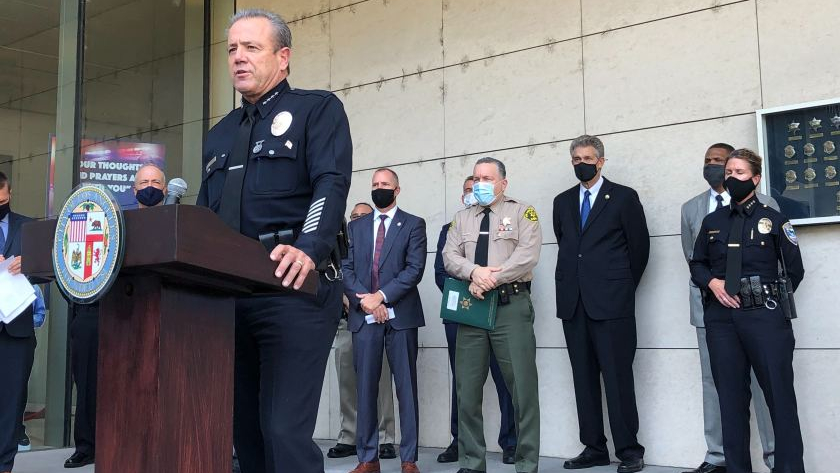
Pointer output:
x,y
767,235
298,171
514,245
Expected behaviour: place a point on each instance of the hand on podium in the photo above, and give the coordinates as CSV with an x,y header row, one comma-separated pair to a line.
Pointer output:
x,y
294,264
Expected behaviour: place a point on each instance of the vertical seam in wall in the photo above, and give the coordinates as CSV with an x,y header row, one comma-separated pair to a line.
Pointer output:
x,y
329,45
443,107
758,41
582,69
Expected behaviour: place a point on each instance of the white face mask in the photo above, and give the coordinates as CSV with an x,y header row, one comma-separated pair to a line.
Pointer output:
x,y
469,200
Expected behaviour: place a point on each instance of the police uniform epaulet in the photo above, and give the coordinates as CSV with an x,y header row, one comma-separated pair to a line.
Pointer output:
x,y
318,92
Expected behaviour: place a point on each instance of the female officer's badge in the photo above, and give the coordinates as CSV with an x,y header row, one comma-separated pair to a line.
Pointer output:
x,y
281,123
88,246
765,225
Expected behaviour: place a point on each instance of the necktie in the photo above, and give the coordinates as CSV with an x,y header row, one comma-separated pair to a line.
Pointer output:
x,y
2,240
482,247
377,250
584,209
733,255
231,204
719,199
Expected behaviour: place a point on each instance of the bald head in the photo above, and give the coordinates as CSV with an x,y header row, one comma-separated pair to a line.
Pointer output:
x,y
152,176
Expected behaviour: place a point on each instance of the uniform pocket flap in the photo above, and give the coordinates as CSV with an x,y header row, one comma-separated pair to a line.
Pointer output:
x,y
275,148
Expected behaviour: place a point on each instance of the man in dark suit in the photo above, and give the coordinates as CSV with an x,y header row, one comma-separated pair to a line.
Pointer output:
x,y
384,265
17,339
603,247
507,427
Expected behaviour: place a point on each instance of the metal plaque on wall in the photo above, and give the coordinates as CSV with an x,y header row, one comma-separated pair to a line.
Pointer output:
x,y
800,145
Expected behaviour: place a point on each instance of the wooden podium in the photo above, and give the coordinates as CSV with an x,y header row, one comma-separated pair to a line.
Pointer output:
x,y
166,337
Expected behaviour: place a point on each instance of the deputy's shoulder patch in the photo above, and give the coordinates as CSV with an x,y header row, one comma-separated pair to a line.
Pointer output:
x,y
531,214
452,224
790,233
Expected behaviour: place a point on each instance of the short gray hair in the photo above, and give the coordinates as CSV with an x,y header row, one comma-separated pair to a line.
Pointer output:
x,y
282,33
150,165
499,164
583,141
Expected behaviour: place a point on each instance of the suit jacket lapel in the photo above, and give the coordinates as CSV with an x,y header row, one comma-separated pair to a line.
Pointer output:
x,y
9,234
702,208
599,204
391,235
364,243
574,204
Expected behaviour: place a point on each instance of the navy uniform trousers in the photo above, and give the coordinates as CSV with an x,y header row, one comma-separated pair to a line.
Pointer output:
x,y
282,346
762,339
84,355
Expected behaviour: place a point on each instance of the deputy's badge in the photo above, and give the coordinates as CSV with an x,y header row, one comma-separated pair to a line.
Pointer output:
x,y
507,224
809,149
790,234
531,214
828,147
765,225
257,147
830,172
815,124
281,123
810,174
793,127
790,176
466,303
790,151
88,246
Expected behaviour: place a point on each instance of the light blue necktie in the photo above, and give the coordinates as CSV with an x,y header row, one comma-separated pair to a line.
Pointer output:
x,y
2,240
584,209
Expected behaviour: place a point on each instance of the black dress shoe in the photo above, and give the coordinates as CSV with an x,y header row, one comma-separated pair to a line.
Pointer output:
x,y
509,455
707,467
467,470
586,460
341,450
78,459
387,451
631,466
449,455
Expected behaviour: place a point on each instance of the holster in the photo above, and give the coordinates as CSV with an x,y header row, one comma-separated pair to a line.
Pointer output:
x,y
786,297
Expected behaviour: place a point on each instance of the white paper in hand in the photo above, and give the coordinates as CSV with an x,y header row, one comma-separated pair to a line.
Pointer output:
x,y
370,320
16,294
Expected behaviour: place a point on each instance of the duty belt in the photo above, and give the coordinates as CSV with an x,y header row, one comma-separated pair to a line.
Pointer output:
x,y
506,290
757,293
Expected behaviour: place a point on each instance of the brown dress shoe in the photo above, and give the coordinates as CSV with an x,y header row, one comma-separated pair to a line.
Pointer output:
x,y
367,467
409,467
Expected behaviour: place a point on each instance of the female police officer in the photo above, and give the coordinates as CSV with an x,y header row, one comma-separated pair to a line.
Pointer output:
x,y
736,261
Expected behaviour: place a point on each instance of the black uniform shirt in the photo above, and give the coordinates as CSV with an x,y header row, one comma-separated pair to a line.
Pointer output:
x,y
299,166
767,235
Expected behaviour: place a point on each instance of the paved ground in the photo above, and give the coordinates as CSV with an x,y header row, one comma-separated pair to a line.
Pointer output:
x,y
51,461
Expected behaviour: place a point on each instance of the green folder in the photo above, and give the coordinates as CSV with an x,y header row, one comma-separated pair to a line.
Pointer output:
x,y
458,305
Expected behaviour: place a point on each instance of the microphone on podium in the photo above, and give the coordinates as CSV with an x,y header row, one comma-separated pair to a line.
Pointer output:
x,y
175,190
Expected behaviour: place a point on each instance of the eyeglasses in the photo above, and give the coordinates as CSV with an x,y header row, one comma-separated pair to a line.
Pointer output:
x,y
587,160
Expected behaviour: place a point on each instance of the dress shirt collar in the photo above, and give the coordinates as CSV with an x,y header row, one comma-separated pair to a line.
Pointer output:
x,y
390,214
266,103
593,191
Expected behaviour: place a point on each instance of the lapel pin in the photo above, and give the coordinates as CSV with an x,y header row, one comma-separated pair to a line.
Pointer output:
x,y
607,197
399,224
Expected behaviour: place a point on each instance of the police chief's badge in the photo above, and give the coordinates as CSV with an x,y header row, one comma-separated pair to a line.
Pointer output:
x,y
466,303
281,123
531,214
790,176
88,247
765,225
790,234
809,149
828,147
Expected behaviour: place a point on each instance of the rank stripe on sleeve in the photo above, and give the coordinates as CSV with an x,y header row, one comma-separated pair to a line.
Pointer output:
x,y
314,216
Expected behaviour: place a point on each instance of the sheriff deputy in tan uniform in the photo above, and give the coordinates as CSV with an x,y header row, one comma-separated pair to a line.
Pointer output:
x,y
495,245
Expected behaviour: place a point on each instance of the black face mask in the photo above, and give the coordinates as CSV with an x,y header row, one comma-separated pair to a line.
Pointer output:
x,y
738,189
382,197
149,196
5,209
714,174
585,172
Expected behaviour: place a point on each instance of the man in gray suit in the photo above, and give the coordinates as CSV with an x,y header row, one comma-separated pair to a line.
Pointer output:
x,y
384,265
693,213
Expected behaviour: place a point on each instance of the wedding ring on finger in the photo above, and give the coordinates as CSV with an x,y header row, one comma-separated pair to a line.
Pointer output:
x,y
299,262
